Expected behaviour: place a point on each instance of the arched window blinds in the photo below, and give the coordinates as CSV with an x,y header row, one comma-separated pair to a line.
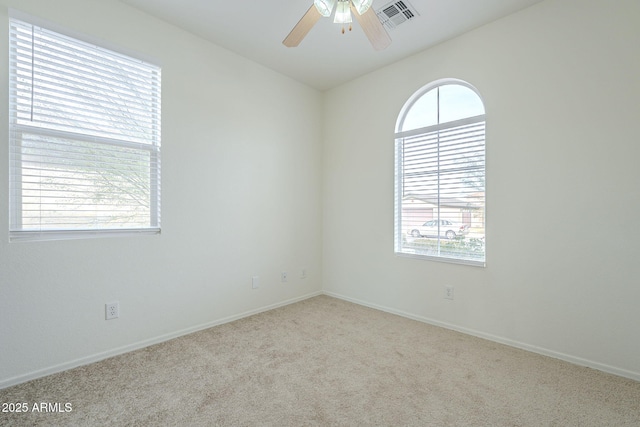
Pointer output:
x,y
440,174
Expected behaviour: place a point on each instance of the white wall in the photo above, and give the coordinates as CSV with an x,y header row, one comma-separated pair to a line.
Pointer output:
x,y
562,95
241,196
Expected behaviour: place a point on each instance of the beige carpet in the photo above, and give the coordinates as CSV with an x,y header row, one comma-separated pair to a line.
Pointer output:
x,y
327,362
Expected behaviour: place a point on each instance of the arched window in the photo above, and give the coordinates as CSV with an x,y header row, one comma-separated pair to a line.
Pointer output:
x,y
440,174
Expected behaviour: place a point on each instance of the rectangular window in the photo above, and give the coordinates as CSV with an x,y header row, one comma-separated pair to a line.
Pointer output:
x,y
440,198
84,138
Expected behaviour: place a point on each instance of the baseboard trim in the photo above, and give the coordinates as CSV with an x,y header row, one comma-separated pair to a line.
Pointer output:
x,y
517,344
145,343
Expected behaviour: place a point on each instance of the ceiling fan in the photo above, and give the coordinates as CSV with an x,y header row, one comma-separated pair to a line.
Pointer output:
x,y
361,9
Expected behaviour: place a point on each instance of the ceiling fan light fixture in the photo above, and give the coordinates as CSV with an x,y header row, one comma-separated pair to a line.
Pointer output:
x,y
325,7
362,5
363,12
343,13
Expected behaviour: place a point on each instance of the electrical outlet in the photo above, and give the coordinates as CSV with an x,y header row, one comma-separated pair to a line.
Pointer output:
x,y
303,273
111,310
283,276
448,292
255,282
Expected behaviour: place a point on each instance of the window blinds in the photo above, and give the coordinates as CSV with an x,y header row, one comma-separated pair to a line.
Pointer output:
x,y
84,138
442,177
445,163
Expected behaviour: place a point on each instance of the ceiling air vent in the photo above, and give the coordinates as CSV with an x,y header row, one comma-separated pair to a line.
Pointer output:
x,y
396,13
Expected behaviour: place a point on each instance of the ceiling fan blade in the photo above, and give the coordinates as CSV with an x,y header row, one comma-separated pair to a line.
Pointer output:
x,y
302,27
372,27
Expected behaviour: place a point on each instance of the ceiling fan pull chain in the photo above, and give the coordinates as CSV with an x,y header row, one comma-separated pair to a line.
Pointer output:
x,y
350,28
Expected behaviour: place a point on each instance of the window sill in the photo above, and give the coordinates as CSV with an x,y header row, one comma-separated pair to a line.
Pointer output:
x,y
47,235
449,260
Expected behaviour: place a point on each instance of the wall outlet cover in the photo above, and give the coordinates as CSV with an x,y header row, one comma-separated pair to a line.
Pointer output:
x,y
111,310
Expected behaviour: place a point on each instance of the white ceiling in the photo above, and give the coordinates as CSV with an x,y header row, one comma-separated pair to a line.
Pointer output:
x,y
325,58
